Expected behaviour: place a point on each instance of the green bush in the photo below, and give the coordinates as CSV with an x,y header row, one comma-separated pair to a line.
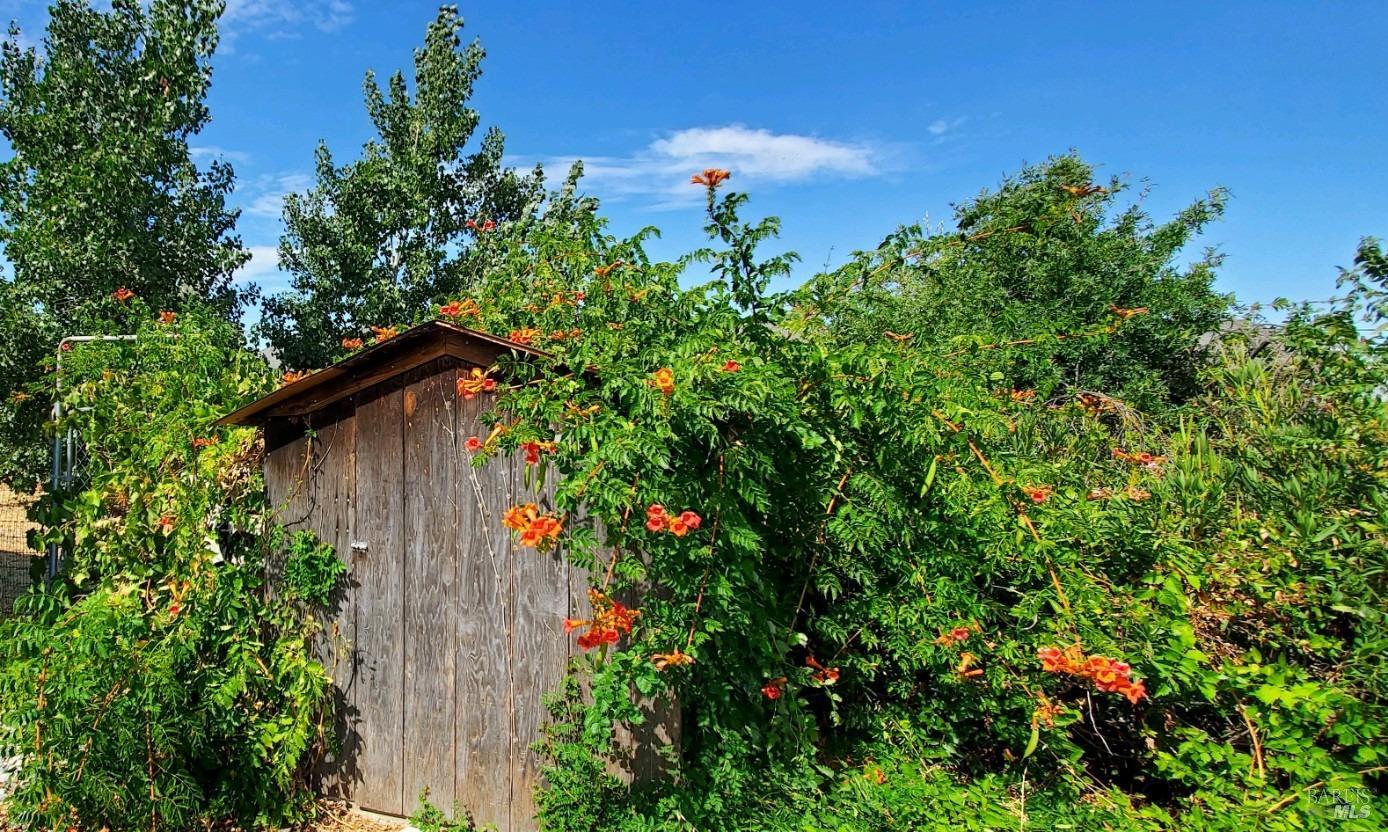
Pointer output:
x,y
1047,253
156,684
893,532
908,592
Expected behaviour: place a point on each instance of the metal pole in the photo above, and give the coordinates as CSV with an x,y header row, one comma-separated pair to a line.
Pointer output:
x,y
53,483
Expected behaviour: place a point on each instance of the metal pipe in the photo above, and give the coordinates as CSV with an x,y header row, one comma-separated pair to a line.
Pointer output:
x,y
53,484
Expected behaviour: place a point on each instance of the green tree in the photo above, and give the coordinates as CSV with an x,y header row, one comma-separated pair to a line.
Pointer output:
x,y
1050,252
100,191
384,237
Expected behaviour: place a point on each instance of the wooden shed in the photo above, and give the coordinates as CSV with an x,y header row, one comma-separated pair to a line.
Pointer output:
x,y
447,633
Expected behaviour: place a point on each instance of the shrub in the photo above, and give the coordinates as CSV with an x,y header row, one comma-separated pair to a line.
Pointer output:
x,y
156,684
1070,605
888,587
1050,252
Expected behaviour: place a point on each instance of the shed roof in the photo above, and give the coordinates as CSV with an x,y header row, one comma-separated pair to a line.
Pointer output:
x,y
376,364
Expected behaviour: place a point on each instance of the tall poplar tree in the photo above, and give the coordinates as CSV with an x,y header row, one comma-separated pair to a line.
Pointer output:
x,y
100,190
381,238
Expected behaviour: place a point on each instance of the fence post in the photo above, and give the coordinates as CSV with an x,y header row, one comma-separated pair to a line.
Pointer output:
x,y
54,485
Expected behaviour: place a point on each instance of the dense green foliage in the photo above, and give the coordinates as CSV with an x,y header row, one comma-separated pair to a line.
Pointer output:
x,y
162,681
1047,253
1010,525
386,236
100,190
890,537
890,533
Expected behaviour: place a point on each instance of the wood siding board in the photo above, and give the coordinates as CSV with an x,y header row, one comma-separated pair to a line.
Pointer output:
x,y
638,748
484,662
456,630
580,607
260,411
459,336
380,672
431,592
480,354
289,491
640,754
334,495
287,488
538,643
374,365
648,741
661,728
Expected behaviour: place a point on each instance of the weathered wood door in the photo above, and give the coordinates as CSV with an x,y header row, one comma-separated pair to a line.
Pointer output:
x,y
447,634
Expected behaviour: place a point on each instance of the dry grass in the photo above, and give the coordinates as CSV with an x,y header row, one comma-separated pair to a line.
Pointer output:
x,y
339,817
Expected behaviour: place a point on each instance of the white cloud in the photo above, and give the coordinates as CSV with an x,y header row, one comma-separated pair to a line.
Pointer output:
x,y
662,168
209,152
764,154
265,261
282,18
940,126
264,195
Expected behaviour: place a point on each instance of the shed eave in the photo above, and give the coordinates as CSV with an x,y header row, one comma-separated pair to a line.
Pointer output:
x,y
411,348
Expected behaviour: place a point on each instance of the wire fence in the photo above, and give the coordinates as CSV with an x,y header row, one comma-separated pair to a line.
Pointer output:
x,y
70,472
16,557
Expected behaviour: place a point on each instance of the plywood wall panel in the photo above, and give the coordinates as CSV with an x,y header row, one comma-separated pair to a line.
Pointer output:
x,y
380,605
431,595
538,642
455,630
334,492
287,486
486,720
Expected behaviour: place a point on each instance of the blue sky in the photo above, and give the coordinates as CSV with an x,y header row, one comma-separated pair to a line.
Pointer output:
x,y
849,119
